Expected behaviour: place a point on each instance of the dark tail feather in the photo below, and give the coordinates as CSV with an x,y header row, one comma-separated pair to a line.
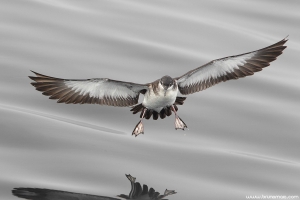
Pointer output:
x,y
155,115
137,108
168,111
179,100
148,114
162,114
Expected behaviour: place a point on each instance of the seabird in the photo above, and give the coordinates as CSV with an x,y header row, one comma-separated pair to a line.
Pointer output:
x,y
136,192
162,96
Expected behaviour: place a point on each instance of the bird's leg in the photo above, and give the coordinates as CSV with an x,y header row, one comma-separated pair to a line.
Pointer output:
x,y
179,124
139,128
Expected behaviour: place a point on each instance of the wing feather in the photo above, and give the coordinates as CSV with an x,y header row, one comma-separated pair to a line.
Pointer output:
x,y
232,67
47,194
89,91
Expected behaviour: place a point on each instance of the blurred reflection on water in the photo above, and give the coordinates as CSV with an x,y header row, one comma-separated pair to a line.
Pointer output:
x,y
136,192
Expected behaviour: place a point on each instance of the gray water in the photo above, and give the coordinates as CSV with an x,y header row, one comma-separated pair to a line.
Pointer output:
x,y
243,136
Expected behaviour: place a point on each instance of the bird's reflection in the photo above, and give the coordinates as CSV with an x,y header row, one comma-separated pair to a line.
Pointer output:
x,y
136,192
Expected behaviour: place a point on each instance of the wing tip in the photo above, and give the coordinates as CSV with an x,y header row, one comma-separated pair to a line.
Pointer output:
x,y
43,76
32,77
283,41
37,74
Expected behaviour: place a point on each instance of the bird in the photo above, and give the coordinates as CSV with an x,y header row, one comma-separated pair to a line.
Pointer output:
x,y
161,96
136,192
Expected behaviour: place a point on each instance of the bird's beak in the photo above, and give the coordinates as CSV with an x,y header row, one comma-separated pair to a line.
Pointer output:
x,y
166,88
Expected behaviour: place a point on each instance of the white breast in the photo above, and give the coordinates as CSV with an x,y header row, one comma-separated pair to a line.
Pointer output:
x,y
159,101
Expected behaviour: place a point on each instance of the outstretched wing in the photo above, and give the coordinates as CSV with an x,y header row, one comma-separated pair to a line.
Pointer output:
x,y
92,91
46,194
232,67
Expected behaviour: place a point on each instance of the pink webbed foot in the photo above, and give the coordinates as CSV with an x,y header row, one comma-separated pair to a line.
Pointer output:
x,y
139,129
179,124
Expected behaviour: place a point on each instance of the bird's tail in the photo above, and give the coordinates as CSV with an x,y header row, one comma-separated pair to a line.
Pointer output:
x,y
162,114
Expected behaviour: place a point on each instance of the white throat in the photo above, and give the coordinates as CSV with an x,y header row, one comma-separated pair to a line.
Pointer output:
x,y
160,100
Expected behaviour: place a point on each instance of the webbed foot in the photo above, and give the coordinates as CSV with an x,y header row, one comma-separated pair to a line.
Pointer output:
x,y
179,124
139,129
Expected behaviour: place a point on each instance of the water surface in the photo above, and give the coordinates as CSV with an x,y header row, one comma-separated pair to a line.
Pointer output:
x,y
243,136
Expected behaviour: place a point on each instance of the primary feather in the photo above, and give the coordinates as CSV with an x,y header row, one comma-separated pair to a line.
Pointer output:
x,y
232,67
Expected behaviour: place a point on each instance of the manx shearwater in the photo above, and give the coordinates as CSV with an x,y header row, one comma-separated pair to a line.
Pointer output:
x,y
161,96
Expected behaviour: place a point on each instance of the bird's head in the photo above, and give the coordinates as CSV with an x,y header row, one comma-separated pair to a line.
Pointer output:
x,y
166,82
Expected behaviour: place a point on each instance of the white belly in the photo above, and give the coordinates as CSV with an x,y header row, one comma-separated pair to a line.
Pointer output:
x,y
157,102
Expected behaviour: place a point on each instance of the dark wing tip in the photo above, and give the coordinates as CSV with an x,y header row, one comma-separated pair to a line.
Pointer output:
x,y
42,75
282,42
37,74
29,193
31,77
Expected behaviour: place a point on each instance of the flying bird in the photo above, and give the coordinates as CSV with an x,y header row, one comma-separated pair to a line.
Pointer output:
x,y
136,192
161,96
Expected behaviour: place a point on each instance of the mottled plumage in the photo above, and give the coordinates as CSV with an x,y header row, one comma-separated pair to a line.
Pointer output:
x,y
162,95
